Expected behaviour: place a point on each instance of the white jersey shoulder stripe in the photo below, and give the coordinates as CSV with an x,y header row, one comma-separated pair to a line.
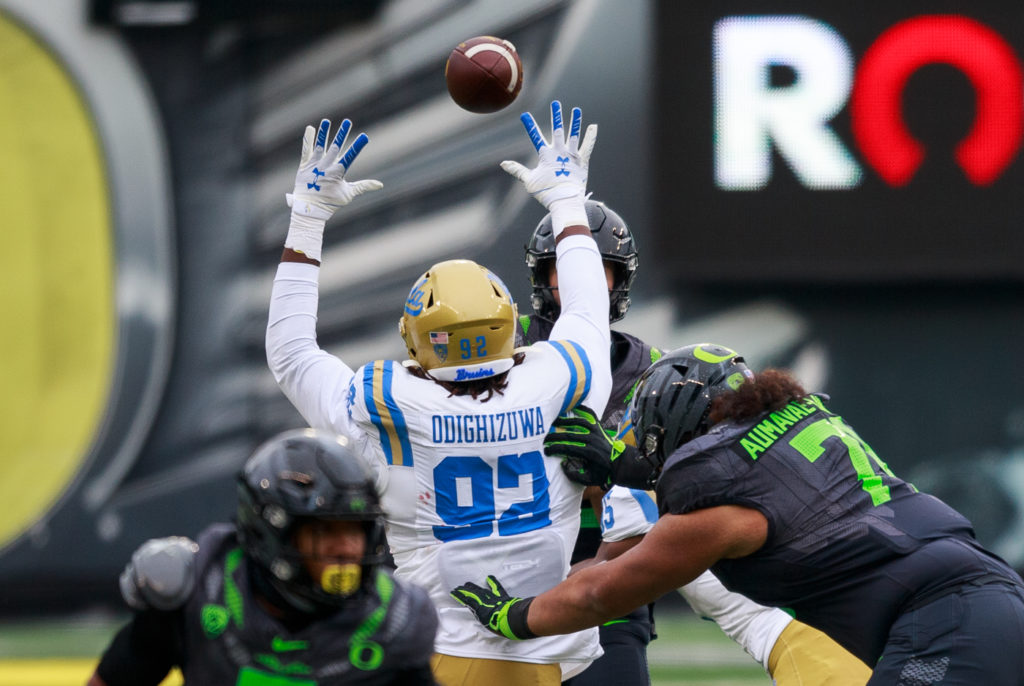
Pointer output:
x,y
580,374
384,412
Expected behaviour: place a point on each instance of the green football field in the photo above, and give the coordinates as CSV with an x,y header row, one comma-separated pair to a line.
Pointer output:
x,y
688,651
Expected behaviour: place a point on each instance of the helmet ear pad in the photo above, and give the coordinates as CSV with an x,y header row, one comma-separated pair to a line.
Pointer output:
x,y
672,399
459,322
617,246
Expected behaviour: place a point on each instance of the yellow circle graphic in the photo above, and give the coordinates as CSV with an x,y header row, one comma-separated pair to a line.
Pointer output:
x,y
56,280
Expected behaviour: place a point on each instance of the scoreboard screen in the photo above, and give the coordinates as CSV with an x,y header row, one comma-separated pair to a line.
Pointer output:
x,y
839,142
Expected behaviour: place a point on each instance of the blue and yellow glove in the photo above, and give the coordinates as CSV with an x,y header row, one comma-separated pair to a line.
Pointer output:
x,y
496,609
587,450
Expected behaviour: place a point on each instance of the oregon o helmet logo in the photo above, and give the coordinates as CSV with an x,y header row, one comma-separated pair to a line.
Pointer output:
x,y
366,655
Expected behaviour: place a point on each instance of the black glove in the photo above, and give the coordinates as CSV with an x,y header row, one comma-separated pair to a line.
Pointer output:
x,y
632,471
496,609
586,448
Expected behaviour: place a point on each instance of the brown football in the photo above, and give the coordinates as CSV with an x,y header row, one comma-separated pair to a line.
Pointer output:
x,y
484,74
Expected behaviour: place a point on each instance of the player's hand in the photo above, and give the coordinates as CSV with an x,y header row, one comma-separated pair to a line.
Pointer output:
x,y
559,181
161,574
586,449
320,184
495,608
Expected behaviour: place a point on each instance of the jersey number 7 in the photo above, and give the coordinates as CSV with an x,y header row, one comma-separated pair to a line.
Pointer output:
x,y
810,443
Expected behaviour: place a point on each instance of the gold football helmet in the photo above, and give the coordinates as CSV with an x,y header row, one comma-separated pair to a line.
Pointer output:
x,y
459,322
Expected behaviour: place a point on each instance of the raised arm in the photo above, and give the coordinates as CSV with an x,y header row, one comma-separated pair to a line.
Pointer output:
x,y
313,380
559,183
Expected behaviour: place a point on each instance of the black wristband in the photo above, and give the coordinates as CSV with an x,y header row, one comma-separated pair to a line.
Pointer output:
x,y
517,619
631,470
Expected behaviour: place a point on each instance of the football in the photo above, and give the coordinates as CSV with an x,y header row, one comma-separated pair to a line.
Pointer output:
x,y
484,74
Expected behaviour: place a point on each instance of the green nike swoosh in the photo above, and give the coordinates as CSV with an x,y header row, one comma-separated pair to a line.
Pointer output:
x,y
279,645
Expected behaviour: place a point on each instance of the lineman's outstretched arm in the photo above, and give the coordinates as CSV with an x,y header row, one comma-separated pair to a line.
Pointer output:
x,y
559,183
755,627
793,653
675,551
314,381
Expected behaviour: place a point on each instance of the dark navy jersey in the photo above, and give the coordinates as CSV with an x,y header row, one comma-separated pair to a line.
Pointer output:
x,y
850,546
227,637
630,357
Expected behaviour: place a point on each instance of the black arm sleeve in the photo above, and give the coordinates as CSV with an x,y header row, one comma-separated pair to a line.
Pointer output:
x,y
144,650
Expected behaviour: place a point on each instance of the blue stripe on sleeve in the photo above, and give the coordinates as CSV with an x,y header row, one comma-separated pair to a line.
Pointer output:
x,y
646,503
588,374
385,414
579,373
371,408
399,426
570,391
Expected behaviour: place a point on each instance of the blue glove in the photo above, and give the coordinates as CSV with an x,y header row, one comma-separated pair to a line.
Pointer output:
x,y
559,181
496,609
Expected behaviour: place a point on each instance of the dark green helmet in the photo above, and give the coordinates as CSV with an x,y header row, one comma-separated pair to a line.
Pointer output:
x,y
672,399
617,246
298,476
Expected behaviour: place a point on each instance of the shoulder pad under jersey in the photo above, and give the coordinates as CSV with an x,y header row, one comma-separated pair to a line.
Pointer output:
x,y
161,574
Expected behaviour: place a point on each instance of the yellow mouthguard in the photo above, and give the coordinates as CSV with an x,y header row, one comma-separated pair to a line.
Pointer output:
x,y
341,580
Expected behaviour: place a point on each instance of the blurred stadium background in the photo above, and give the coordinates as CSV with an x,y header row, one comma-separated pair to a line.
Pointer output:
x,y
758,150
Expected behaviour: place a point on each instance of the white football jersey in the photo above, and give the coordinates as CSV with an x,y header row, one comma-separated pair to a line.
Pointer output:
x,y
466,486
469,491
626,512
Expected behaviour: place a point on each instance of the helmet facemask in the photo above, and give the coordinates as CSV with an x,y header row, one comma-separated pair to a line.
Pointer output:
x,y
295,478
616,245
337,569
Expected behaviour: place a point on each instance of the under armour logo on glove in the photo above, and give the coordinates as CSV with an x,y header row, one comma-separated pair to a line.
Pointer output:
x,y
320,185
562,163
322,169
316,177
